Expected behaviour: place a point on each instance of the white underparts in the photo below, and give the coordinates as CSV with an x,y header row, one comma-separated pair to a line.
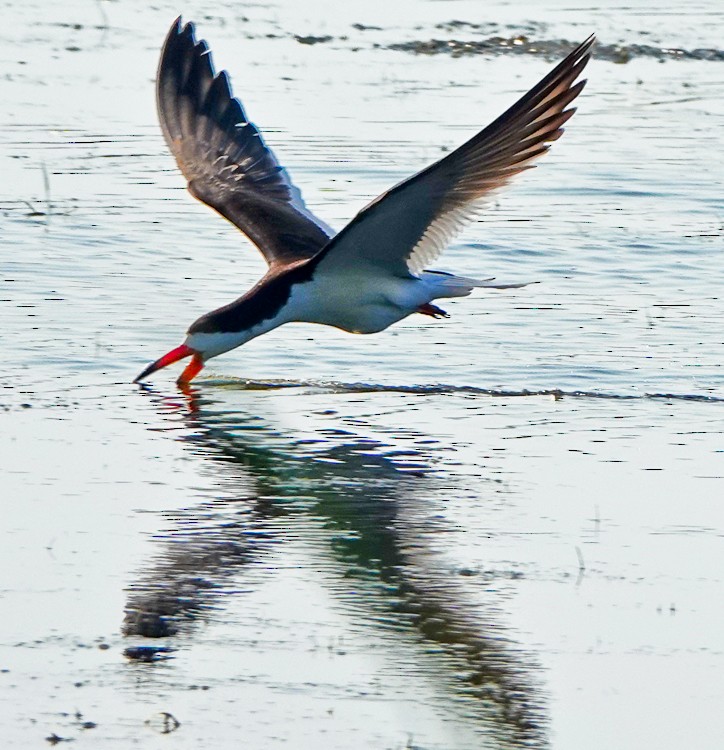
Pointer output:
x,y
361,302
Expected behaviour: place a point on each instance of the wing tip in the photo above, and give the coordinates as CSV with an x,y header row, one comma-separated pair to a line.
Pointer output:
x,y
178,29
182,49
184,34
586,45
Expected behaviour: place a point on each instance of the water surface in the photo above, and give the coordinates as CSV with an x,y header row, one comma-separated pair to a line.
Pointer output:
x,y
499,530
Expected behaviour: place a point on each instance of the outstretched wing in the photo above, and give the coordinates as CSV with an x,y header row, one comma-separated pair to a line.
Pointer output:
x,y
223,156
408,227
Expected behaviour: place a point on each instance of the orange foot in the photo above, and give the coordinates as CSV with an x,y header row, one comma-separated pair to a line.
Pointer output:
x,y
432,310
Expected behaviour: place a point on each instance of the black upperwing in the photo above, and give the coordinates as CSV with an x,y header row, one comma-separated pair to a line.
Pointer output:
x,y
408,227
223,156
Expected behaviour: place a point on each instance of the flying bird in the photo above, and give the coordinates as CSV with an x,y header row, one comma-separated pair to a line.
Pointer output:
x,y
375,271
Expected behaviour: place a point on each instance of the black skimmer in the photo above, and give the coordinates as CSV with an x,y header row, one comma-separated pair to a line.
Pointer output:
x,y
375,271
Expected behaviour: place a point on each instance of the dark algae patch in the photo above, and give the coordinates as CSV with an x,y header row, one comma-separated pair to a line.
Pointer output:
x,y
522,45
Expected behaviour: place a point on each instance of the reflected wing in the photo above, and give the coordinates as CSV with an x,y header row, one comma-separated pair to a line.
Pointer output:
x,y
408,227
223,156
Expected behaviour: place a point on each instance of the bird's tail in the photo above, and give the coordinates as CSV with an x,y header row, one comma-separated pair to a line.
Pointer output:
x,y
449,285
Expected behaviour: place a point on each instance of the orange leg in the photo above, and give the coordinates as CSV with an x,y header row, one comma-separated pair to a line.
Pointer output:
x,y
193,368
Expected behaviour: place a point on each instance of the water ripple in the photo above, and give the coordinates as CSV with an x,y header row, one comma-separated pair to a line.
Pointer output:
x,y
446,389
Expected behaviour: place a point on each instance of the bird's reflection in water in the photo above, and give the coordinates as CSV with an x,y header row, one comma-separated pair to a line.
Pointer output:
x,y
380,538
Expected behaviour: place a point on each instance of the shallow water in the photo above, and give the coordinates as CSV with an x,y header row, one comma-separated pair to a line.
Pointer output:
x,y
499,530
